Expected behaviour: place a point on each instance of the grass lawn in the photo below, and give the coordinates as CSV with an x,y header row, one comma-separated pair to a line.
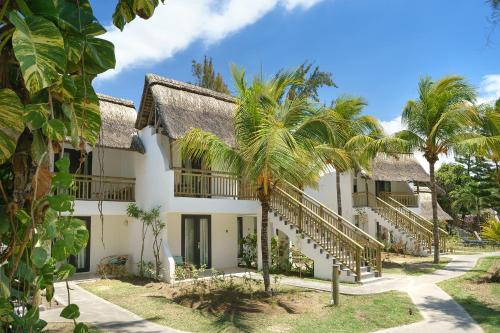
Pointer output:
x,y
465,250
410,265
475,292
65,328
241,306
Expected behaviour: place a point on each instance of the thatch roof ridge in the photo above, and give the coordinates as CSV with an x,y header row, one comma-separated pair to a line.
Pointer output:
x,y
176,107
403,167
118,117
153,79
115,100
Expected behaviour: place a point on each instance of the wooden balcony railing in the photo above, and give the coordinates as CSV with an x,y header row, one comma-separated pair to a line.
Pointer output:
x,y
104,188
211,184
407,199
361,199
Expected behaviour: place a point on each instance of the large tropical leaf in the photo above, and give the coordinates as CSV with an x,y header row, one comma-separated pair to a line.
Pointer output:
x,y
12,125
39,48
99,55
123,13
145,8
86,107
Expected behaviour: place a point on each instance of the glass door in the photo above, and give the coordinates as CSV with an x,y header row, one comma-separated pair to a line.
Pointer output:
x,y
196,240
82,260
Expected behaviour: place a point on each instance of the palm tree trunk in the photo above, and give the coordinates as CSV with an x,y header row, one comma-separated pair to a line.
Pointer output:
x,y
434,212
264,244
339,199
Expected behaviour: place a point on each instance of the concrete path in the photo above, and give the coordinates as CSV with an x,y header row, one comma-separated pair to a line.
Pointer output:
x,y
441,313
105,315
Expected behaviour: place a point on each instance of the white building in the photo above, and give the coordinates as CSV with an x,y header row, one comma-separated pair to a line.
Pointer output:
x,y
207,211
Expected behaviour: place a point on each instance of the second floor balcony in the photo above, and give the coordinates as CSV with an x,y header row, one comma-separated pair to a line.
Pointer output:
x,y
105,188
363,199
198,183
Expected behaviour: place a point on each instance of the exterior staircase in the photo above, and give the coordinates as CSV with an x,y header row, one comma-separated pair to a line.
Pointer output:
x,y
325,237
413,226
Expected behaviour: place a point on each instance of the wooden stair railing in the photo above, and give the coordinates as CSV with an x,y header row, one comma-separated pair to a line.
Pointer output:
x,y
402,221
343,248
420,220
372,248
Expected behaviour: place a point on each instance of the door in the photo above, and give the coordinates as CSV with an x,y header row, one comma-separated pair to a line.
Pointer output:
x,y
82,260
382,186
196,240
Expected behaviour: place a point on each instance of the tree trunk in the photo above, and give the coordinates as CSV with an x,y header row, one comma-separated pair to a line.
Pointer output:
x,y
141,264
264,244
434,212
339,199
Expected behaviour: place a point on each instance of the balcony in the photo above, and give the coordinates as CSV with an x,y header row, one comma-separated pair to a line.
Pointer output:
x,y
408,199
105,188
196,183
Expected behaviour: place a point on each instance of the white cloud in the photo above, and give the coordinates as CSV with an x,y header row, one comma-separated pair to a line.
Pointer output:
x,y
392,126
489,89
178,23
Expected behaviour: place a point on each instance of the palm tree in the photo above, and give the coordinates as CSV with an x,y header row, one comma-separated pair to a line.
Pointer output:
x,y
354,132
490,134
437,121
276,140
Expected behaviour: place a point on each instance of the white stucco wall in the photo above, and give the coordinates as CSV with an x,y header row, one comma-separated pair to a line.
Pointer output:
x,y
114,231
116,162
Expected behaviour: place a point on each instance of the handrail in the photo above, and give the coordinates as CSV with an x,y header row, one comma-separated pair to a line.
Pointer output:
x,y
106,188
400,220
417,216
326,209
407,199
424,222
336,243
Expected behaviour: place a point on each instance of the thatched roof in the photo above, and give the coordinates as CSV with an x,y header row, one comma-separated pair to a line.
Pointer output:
x,y
118,119
179,106
402,168
426,208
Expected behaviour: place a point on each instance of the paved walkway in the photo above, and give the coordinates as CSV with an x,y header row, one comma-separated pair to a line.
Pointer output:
x,y
105,315
441,313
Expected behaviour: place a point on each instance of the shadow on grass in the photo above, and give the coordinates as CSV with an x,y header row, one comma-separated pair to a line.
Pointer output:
x,y
234,307
413,268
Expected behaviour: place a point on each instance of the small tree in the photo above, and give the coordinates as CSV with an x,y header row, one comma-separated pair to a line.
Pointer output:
x,y
157,226
149,219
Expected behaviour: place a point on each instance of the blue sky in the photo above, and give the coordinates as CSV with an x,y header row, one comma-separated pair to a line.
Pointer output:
x,y
374,48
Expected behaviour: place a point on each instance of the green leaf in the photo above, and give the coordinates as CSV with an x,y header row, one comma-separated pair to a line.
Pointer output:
x,y
49,292
123,13
69,112
39,257
59,250
99,55
54,129
61,202
62,164
78,19
4,285
23,216
145,8
39,146
87,111
39,48
81,328
12,125
62,180
32,316
65,271
36,115
66,88
71,311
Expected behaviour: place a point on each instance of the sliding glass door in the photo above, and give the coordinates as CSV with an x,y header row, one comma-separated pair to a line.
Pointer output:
x,y
196,240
